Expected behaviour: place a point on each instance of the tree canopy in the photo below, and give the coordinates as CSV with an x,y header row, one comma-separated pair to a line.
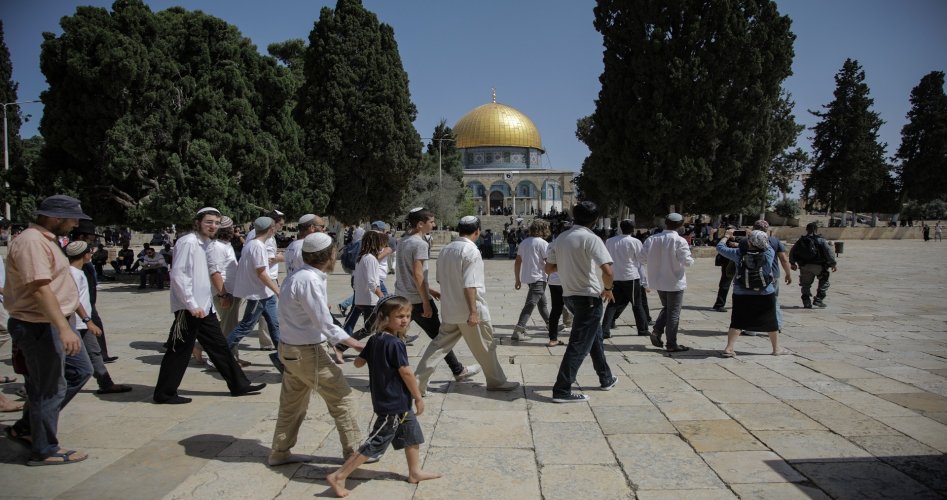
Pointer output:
x,y
687,113
151,116
20,199
356,113
849,165
923,151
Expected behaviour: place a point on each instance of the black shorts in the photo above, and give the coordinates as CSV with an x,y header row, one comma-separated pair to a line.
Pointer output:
x,y
400,431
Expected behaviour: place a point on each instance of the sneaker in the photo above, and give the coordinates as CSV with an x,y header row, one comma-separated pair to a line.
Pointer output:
x,y
571,398
505,387
343,310
468,372
820,304
409,340
519,333
656,340
611,384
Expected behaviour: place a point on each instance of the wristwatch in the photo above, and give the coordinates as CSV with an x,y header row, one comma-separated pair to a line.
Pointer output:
x,y
608,289
86,319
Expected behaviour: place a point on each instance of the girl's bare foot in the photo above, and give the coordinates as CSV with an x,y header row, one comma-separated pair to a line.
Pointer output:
x,y
337,484
422,476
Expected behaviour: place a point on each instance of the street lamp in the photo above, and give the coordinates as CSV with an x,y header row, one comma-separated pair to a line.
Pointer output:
x,y
6,148
440,172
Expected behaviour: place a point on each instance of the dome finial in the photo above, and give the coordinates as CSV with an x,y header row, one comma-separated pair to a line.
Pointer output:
x,y
494,90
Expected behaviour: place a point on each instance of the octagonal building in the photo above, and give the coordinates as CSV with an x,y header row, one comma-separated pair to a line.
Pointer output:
x,y
503,155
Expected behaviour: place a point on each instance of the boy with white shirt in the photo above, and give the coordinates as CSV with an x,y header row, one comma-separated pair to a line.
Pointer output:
x,y
528,268
255,285
625,250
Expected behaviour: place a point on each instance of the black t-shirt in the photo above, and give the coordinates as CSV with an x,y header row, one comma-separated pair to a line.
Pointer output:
x,y
385,354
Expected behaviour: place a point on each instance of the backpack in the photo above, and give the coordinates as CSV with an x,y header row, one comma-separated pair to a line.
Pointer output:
x,y
350,256
754,274
807,251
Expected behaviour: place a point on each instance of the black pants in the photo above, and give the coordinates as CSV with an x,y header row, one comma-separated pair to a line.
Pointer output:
x,y
176,358
432,326
103,346
626,292
555,293
723,287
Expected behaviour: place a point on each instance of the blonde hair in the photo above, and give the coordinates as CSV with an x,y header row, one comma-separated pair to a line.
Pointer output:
x,y
385,308
539,228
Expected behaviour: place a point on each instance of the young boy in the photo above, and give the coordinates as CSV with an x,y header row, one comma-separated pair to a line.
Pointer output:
x,y
393,387
79,254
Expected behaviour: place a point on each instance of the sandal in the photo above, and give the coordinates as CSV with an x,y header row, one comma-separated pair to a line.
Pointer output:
x,y
725,354
678,348
7,379
69,457
554,343
14,406
24,439
243,363
114,389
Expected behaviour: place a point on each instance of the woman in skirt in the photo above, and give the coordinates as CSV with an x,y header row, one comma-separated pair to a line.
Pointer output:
x,y
753,309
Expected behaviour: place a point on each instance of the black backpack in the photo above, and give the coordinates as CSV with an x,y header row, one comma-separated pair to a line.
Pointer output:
x,y
754,274
350,256
806,250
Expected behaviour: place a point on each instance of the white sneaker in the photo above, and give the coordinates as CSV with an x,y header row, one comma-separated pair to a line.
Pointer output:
x,y
468,372
519,333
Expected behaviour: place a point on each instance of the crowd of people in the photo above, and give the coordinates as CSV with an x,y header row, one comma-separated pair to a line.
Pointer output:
x,y
59,340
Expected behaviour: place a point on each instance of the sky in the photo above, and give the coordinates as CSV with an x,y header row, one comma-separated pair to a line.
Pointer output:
x,y
544,57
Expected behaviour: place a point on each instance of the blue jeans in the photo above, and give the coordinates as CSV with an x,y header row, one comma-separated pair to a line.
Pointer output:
x,y
347,303
53,380
585,339
254,308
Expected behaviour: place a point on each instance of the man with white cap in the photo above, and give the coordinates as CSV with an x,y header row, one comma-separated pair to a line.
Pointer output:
x,y
307,326
195,318
308,224
255,285
40,296
666,256
464,310
272,251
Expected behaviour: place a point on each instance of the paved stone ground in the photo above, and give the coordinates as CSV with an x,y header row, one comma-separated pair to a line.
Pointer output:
x,y
859,411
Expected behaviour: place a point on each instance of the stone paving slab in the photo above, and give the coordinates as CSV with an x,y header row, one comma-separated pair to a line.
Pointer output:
x,y
858,411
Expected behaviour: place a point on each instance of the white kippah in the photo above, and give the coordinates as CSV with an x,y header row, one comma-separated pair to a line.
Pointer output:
x,y
316,241
207,209
470,219
307,218
415,209
76,248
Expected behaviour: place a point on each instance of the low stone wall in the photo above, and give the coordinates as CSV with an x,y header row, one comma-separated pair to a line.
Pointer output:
x,y
851,233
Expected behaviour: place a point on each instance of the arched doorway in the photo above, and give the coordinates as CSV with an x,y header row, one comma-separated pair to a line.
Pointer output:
x,y
496,200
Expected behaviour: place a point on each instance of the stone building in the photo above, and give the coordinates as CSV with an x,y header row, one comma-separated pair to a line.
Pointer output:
x,y
502,154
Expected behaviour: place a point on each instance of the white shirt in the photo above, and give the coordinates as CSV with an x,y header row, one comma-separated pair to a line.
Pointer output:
x,y
293,257
222,259
303,310
412,248
190,279
578,254
665,256
248,284
532,251
83,285
270,243
358,233
365,280
625,250
460,266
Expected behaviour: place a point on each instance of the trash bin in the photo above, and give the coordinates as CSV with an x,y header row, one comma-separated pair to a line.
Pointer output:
x,y
839,246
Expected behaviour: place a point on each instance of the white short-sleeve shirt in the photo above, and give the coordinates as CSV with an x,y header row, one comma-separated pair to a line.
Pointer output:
x,y
248,284
460,266
532,251
578,253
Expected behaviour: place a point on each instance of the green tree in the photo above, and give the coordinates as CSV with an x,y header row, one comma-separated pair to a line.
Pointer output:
x,y
686,112
849,165
8,94
785,168
923,151
150,116
356,112
439,184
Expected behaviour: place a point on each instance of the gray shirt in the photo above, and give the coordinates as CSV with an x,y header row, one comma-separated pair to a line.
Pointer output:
x,y
410,249
578,253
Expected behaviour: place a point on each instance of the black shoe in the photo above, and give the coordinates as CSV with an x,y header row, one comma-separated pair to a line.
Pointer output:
x,y
656,340
611,384
807,306
570,398
643,334
820,304
174,400
719,309
248,389
110,359
606,336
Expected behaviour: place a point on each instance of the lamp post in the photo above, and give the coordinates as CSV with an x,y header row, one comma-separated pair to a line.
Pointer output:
x,y
6,148
440,171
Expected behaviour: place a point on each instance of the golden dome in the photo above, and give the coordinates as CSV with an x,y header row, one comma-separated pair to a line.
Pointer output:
x,y
495,124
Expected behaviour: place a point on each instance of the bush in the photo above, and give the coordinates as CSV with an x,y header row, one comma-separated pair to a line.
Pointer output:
x,y
787,208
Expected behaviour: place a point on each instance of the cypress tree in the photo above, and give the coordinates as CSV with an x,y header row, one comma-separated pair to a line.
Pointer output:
x,y
849,165
356,112
923,151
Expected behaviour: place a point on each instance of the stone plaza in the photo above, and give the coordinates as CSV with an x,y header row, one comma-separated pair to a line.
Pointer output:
x,y
858,410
